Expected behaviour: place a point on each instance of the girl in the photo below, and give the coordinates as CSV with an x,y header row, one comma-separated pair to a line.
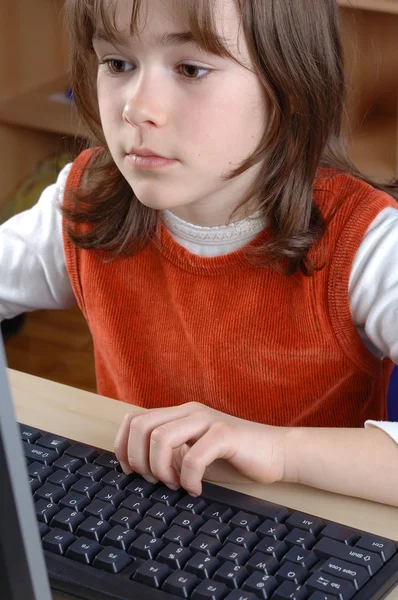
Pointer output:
x,y
238,275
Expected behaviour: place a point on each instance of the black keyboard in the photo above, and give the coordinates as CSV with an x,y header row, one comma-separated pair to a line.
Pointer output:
x,y
110,535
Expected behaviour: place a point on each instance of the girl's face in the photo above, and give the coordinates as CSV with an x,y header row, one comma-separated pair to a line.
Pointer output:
x,y
160,92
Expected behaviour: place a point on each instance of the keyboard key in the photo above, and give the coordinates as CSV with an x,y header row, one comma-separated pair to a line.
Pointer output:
x,y
178,535
245,520
273,547
112,560
384,548
210,590
241,595
125,518
29,434
234,553
202,565
167,496
174,556
261,585
218,512
83,550
162,512
53,442
321,596
328,584
67,519
118,537
49,492
39,471
358,576
206,544
311,524
58,541
302,557
93,472
117,480
152,573
107,460
140,487
68,463
244,538
191,504
43,528
93,528
82,452
326,548
111,494
276,531
290,591
298,537
74,501
136,504
216,529
152,527
146,547
188,520
45,511
62,479
41,455
101,510
262,562
86,487
180,584
340,533
232,575
34,484
292,572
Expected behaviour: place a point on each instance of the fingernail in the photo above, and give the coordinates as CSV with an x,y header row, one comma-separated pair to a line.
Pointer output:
x,y
150,479
126,468
172,487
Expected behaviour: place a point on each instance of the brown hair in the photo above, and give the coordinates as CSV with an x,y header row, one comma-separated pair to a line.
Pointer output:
x,y
296,52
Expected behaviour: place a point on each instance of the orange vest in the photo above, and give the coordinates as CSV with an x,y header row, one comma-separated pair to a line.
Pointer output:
x,y
171,327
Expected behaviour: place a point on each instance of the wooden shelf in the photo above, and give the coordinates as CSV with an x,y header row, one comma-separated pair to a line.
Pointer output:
x,y
388,6
37,109
373,148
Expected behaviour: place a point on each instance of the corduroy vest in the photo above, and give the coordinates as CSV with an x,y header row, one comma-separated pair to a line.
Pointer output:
x,y
170,327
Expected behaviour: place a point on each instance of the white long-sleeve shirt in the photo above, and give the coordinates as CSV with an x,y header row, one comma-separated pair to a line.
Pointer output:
x,y
33,271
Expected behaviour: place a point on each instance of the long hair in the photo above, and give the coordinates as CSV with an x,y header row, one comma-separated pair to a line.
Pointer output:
x,y
296,52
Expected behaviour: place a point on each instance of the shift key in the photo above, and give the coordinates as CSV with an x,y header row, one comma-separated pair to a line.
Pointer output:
x,y
326,548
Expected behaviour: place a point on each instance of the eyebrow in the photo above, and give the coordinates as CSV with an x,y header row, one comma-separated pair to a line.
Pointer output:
x,y
168,39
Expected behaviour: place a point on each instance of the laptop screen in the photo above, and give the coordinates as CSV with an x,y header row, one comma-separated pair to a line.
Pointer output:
x,y
22,568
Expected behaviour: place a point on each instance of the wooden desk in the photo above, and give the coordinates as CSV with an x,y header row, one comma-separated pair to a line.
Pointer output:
x,y
94,419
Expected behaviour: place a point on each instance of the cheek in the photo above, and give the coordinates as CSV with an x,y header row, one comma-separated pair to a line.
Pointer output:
x,y
226,130
110,105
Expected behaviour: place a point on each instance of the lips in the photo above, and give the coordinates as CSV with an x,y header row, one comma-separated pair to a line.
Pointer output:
x,y
146,152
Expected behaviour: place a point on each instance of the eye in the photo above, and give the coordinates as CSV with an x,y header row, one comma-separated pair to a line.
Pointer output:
x,y
117,66
194,72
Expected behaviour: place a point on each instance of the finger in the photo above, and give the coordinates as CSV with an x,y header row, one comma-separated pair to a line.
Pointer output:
x,y
169,436
216,443
121,442
140,430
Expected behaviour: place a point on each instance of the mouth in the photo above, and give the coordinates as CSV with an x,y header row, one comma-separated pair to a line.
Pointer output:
x,y
144,158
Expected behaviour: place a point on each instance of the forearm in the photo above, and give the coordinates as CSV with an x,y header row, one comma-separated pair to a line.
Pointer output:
x,y
354,462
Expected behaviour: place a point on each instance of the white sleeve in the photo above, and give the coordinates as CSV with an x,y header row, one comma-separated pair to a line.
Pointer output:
x,y
32,261
373,286
373,293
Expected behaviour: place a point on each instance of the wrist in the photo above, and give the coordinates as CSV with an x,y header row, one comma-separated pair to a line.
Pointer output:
x,y
292,444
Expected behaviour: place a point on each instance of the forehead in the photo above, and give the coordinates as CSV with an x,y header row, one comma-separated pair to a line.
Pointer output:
x,y
149,20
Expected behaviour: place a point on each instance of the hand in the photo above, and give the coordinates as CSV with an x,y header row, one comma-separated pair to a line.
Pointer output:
x,y
181,445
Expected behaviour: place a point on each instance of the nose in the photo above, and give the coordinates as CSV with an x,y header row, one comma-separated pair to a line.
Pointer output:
x,y
145,104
